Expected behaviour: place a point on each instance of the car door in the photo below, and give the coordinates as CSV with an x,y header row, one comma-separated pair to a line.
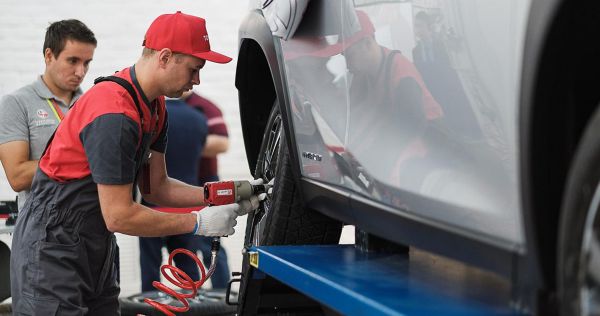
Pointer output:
x,y
413,104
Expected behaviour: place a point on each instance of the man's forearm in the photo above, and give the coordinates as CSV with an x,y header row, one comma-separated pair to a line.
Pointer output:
x,y
21,175
174,193
215,144
145,222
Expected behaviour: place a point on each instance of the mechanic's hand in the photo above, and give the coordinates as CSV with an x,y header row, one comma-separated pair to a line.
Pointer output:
x,y
258,181
247,206
270,184
217,220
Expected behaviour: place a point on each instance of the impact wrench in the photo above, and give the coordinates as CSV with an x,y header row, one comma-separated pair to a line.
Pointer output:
x,y
227,192
215,193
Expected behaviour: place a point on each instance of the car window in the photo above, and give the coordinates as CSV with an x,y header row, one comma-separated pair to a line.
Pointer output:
x,y
413,104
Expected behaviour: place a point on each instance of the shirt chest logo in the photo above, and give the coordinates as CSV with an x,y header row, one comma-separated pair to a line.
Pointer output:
x,y
42,114
43,119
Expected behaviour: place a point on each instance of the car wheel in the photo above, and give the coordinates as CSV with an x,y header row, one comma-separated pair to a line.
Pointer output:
x,y
206,302
578,269
282,218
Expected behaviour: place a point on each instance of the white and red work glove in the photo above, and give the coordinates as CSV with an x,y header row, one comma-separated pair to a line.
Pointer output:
x,y
252,204
219,220
247,206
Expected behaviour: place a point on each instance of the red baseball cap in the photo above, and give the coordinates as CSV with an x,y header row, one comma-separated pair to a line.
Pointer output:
x,y
182,33
318,46
366,29
309,46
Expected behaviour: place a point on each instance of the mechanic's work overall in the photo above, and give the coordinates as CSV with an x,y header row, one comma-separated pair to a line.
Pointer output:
x,y
114,136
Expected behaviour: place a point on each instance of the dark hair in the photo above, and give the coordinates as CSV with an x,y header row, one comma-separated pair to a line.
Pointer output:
x,y
59,32
426,18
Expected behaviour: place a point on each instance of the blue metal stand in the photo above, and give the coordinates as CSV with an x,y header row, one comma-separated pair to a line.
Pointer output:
x,y
352,282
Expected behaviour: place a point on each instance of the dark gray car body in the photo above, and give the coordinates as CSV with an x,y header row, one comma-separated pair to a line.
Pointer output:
x,y
498,205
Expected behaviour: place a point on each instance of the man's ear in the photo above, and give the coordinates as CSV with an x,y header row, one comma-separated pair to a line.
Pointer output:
x,y
48,55
165,55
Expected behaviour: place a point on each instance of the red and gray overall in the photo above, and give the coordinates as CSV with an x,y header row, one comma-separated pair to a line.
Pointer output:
x,y
63,256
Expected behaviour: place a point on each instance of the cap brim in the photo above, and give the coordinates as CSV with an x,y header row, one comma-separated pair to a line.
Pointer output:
x,y
310,51
213,56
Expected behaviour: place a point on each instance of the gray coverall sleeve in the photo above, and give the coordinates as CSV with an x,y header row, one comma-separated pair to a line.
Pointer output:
x,y
110,143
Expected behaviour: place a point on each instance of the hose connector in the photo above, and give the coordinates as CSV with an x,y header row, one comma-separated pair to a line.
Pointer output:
x,y
215,245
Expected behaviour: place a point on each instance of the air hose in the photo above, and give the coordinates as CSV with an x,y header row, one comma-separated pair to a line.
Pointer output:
x,y
180,279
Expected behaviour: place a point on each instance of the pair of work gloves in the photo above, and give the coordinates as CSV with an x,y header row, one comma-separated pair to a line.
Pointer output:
x,y
219,220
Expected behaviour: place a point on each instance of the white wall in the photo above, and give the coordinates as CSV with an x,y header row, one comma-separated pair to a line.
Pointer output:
x,y
119,27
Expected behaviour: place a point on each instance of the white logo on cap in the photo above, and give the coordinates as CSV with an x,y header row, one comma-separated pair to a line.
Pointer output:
x,y
42,114
205,37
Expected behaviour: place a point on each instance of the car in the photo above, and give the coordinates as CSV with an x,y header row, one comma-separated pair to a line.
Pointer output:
x,y
465,128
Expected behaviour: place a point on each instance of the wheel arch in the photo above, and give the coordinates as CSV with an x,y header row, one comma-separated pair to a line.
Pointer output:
x,y
259,81
558,97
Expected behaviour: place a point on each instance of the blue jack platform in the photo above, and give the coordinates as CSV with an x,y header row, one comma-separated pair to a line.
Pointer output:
x,y
351,282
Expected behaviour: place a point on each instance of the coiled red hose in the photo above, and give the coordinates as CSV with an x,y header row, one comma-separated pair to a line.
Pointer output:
x,y
180,279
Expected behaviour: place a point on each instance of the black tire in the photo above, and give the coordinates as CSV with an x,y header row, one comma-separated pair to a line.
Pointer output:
x,y
282,218
207,302
578,278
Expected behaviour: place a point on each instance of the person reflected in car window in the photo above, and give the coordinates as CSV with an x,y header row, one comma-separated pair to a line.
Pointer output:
x,y
432,59
390,107
311,81
314,92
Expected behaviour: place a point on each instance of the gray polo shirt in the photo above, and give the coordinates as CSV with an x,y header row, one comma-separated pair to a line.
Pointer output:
x,y
26,115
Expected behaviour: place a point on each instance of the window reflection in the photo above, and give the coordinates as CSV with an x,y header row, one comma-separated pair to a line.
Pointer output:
x,y
389,106
407,97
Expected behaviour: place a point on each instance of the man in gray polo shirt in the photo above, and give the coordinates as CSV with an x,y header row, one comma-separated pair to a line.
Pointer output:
x,y
29,116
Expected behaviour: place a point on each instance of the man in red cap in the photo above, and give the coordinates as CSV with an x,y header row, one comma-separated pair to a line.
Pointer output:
x,y
114,137
387,97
